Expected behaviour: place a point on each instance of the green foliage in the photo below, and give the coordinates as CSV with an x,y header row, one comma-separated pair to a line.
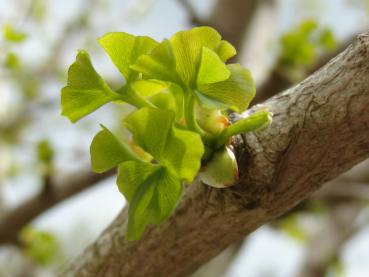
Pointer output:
x,y
86,90
154,198
300,47
42,247
39,9
181,89
107,151
235,92
123,57
11,61
326,40
45,152
12,35
290,225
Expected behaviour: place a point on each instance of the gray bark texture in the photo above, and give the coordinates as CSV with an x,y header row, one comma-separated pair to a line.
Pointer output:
x,y
320,129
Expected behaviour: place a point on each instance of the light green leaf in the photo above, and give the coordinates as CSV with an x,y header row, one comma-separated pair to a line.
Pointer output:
x,y
183,153
130,95
150,129
171,98
164,101
132,174
210,103
153,201
187,45
159,64
85,91
107,151
149,87
177,60
124,49
212,69
179,150
168,190
235,93
225,50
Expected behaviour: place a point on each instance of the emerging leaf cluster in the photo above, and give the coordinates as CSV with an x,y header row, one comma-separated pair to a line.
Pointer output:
x,y
181,89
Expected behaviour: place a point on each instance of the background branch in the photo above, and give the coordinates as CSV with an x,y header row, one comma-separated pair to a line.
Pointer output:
x,y
333,232
233,17
191,11
277,81
12,221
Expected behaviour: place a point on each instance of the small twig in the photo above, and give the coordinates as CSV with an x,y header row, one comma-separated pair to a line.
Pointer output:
x,y
47,185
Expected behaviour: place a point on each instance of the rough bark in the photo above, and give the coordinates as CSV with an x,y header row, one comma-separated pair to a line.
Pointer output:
x,y
320,129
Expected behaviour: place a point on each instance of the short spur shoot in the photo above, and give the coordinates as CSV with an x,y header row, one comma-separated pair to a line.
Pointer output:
x,y
182,90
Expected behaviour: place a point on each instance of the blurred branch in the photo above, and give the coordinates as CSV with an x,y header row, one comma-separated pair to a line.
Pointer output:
x,y
218,266
343,200
333,194
194,18
12,221
331,235
277,81
232,18
337,191
1,197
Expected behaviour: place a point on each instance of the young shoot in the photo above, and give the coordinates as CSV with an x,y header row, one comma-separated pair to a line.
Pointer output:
x,y
181,89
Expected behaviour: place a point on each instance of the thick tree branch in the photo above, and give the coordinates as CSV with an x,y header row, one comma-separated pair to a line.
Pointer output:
x,y
320,130
12,221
